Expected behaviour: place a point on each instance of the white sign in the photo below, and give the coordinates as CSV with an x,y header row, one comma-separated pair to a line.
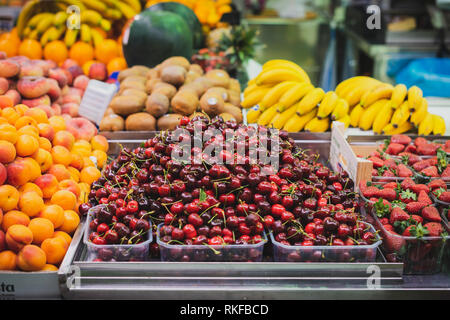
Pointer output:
x,y
96,100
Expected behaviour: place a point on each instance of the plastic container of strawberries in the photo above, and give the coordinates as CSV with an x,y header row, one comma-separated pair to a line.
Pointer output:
x,y
422,157
362,253
419,256
115,252
424,179
201,253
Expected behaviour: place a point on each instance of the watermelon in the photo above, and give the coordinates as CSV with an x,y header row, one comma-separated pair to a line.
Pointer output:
x,y
188,15
154,36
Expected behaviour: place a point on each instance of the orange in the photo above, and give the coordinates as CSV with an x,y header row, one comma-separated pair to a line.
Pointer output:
x,y
65,199
54,213
42,229
56,50
116,64
71,222
106,51
9,43
81,52
31,49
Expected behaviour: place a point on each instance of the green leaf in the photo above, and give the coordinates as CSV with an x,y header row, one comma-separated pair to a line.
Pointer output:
x,y
381,209
442,160
419,231
202,195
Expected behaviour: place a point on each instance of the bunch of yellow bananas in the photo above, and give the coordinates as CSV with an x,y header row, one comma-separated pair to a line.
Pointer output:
x,y
388,109
47,20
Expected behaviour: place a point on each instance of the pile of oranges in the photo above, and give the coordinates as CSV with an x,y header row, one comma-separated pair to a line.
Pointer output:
x,y
45,174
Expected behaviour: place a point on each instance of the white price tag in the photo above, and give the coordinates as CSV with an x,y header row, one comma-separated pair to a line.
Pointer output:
x,y
96,99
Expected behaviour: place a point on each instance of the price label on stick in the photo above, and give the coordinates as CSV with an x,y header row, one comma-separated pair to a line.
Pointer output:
x,y
96,99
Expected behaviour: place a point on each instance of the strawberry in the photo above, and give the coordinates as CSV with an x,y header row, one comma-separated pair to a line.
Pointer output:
x,y
398,214
415,207
431,214
375,154
445,196
407,232
447,144
389,227
431,171
363,185
420,141
428,149
390,163
419,166
420,187
377,162
432,161
408,183
411,149
413,158
374,173
371,192
384,221
437,184
434,228
389,173
417,218
424,198
390,185
395,148
407,196
388,194
401,139
446,172
404,171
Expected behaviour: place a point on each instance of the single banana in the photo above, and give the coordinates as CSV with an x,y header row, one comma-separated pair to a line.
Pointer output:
x,y
383,91
340,110
126,10
105,25
44,24
96,5
34,35
355,115
390,130
368,117
345,85
112,14
273,95
383,118
310,101
26,32
71,37
354,94
34,21
289,65
97,37
134,4
274,76
345,120
401,115
254,98
426,125
415,96
60,18
318,125
398,95
91,17
438,125
26,14
281,118
253,115
49,35
327,105
85,33
420,113
297,122
267,116
250,88
295,94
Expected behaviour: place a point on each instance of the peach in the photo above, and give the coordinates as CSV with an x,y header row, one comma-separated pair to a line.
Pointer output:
x,y
48,184
46,131
63,235
101,157
69,77
42,228
31,258
59,171
8,260
14,95
49,267
71,222
17,172
33,87
65,199
75,92
71,186
33,168
98,71
70,108
81,82
30,186
18,236
8,132
9,68
50,65
64,138
5,102
40,101
71,98
89,175
58,123
45,144
99,142
43,158
38,114
53,213
31,69
59,75
81,128
2,240
54,91
11,115
75,71
14,217
3,174
4,85
31,203
68,63
26,145
47,109
7,152
19,59
61,155
56,109
55,250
